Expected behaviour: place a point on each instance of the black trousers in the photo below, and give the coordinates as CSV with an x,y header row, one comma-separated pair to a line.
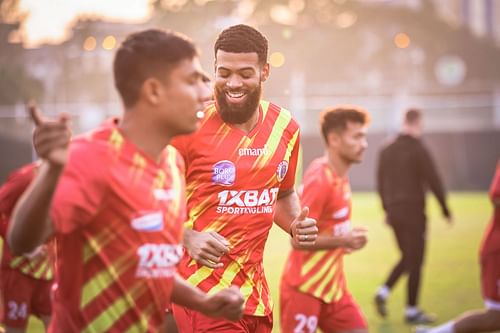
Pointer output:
x,y
409,226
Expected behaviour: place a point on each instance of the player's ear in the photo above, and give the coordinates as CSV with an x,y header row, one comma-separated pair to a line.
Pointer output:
x,y
264,72
333,139
151,90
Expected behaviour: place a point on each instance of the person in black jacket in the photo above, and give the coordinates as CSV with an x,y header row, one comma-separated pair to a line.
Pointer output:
x,y
405,170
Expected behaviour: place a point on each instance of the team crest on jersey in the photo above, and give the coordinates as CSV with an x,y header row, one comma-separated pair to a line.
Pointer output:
x,y
224,173
281,170
151,221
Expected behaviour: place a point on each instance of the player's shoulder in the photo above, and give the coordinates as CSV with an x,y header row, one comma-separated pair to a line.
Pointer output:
x,y
319,171
279,113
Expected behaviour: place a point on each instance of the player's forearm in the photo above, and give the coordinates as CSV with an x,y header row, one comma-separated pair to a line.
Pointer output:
x,y
30,225
287,210
188,296
324,243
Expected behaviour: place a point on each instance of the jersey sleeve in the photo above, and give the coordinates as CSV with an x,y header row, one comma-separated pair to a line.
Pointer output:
x,y
314,193
81,188
289,180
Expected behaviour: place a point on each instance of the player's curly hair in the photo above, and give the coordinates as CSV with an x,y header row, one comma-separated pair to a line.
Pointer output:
x,y
336,118
242,38
145,54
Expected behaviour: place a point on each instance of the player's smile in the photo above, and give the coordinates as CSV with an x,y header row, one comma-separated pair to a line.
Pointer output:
x,y
235,96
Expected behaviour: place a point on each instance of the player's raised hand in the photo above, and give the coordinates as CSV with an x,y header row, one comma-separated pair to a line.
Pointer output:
x,y
303,229
227,303
51,137
206,248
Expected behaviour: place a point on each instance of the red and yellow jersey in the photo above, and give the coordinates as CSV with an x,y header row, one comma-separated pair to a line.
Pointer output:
x,y
328,196
37,264
118,219
233,182
491,240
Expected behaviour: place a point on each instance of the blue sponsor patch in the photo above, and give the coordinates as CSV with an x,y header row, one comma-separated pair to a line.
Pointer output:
x,y
224,173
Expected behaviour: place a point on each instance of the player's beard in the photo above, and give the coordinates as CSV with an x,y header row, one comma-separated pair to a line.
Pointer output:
x,y
237,114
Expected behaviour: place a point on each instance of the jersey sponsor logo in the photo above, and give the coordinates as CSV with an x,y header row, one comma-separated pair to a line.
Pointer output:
x,y
224,173
281,170
342,228
247,201
158,260
253,151
162,194
341,213
148,222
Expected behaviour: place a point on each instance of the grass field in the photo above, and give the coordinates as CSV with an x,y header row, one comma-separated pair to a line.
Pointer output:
x,y
451,274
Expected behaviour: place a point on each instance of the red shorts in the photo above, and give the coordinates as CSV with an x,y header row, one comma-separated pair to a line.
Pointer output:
x,y
189,321
304,313
490,280
22,296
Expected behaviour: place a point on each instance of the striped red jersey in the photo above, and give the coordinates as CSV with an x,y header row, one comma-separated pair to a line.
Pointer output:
x,y
328,196
233,181
118,219
38,264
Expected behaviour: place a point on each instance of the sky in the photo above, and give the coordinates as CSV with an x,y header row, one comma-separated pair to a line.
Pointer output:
x,y
50,20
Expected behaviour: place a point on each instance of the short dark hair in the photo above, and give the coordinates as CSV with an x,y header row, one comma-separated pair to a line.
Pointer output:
x,y
242,38
145,54
412,116
336,118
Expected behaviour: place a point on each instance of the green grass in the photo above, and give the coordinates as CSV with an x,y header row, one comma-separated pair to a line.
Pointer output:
x,y
451,273
450,282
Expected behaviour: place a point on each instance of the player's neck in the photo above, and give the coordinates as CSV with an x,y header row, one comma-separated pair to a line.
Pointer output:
x,y
144,134
250,124
338,164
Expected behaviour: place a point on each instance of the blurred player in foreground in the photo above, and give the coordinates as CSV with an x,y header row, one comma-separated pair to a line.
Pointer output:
x,y
114,199
487,320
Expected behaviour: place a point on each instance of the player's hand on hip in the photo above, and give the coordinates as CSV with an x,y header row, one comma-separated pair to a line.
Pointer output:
x,y
206,248
51,137
303,229
227,303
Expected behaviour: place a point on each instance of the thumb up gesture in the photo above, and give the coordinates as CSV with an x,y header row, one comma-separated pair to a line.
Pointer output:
x,y
303,229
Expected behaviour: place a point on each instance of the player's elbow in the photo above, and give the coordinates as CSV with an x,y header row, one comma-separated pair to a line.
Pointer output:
x,y
18,242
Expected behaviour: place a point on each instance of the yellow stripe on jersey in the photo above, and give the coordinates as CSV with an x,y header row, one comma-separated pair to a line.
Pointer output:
x,y
44,270
116,140
274,138
335,292
201,274
138,166
313,279
291,143
195,212
142,324
260,309
316,257
227,277
112,314
95,244
328,278
176,177
265,107
95,286
160,179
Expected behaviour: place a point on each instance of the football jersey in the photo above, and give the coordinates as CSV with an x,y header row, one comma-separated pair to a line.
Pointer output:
x,y
233,182
37,264
321,273
118,218
491,240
